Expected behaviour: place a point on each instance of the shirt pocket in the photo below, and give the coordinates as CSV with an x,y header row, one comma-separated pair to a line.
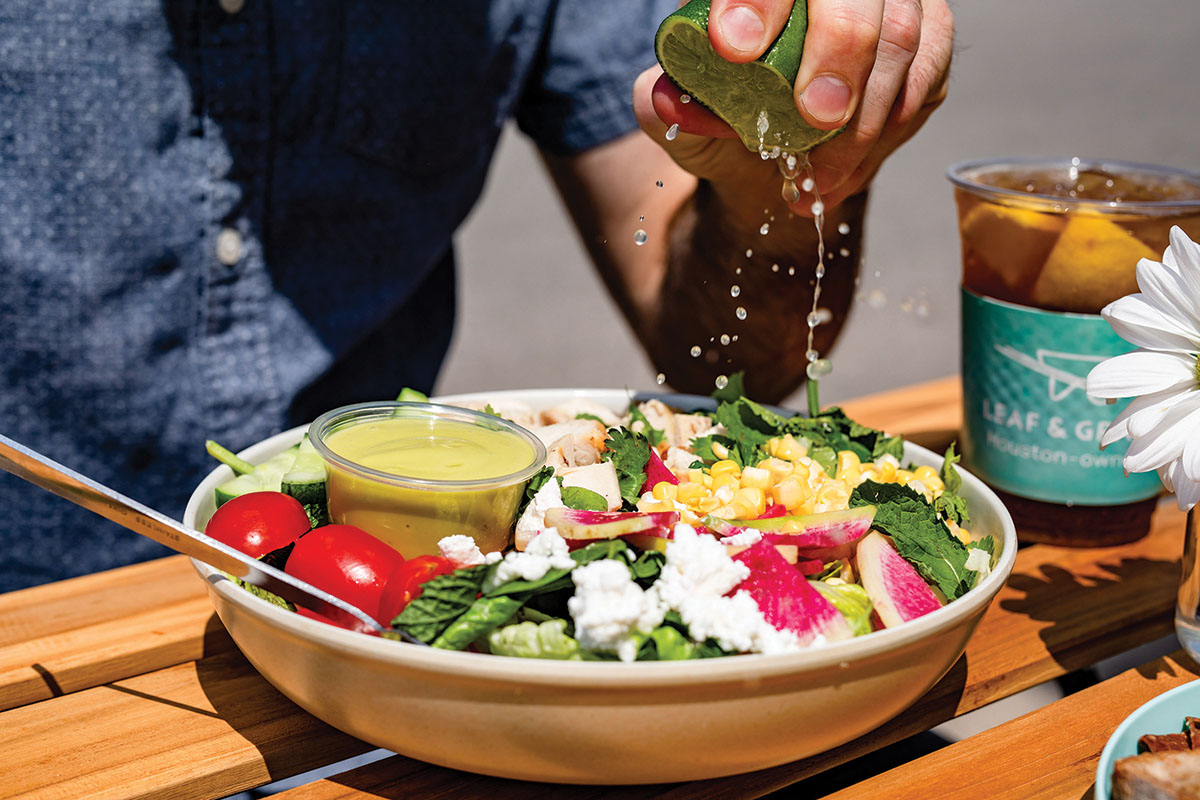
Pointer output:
x,y
421,83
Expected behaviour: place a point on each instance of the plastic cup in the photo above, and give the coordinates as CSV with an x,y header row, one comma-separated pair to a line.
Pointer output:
x,y
452,481
1046,244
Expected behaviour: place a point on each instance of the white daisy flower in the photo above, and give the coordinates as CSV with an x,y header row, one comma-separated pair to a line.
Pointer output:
x,y
1162,422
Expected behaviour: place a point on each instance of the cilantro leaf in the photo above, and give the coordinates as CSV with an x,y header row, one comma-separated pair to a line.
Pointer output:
x,y
652,434
734,389
592,417
949,504
748,431
629,452
533,485
918,533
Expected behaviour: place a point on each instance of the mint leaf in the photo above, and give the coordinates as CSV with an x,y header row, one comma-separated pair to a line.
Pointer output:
x,y
582,499
629,452
443,600
918,534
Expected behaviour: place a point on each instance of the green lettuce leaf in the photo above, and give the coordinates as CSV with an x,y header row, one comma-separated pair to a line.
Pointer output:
x,y
851,600
529,639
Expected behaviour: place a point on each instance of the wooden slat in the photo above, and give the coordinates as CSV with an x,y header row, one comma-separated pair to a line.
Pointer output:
x,y
1063,609
1048,753
85,632
202,729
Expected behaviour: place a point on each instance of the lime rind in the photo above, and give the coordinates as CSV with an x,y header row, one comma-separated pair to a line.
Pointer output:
x,y
756,98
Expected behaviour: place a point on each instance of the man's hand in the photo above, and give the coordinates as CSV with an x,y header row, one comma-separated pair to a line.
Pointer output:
x,y
880,67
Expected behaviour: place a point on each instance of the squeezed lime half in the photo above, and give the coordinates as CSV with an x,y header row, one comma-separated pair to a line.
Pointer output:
x,y
755,98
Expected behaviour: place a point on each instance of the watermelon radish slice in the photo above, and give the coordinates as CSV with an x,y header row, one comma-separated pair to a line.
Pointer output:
x,y
575,524
825,531
896,590
786,598
774,510
657,472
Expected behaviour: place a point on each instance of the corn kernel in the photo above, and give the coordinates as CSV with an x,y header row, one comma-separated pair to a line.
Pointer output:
x,y
834,495
803,472
655,506
886,470
726,480
720,450
848,463
756,478
924,472
789,449
724,493
869,474
904,476
723,468
695,476
724,512
665,490
690,492
934,485
752,499
705,505
790,492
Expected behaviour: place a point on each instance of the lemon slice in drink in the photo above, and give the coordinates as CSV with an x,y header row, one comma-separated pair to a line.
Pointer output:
x,y
755,98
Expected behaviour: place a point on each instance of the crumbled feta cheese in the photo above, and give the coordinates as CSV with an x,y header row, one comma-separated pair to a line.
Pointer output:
x,y
608,607
493,557
533,518
697,565
743,539
979,561
461,551
545,552
697,576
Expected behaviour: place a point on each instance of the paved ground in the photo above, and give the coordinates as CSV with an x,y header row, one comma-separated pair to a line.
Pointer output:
x,y
1068,77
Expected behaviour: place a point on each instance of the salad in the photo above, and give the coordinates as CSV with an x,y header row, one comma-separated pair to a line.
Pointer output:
x,y
657,534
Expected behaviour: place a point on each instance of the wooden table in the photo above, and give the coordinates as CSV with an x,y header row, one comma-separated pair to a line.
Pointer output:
x,y
124,684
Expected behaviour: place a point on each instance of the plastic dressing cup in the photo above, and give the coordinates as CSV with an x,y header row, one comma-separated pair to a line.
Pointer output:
x,y
414,473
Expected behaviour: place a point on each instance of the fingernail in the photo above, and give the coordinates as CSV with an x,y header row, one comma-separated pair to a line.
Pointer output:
x,y
743,29
826,98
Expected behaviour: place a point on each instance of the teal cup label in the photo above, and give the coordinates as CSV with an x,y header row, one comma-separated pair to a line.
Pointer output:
x,y
1029,427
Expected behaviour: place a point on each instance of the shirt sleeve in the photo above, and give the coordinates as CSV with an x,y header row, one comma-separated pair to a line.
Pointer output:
x,y
580,93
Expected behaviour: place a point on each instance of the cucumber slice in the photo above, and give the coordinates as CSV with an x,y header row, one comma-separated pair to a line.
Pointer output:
x,y
266,477
305,481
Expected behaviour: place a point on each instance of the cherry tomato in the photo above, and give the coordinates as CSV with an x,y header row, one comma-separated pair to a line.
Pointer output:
x,y
405,584
347,562
258,522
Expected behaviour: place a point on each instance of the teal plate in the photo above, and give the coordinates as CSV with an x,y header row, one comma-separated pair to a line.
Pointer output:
x,y
1163,714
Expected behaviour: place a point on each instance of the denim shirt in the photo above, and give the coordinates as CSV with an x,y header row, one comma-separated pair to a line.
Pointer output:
x,y
220,218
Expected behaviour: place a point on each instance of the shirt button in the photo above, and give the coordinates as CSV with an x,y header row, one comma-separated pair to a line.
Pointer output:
x,y
229,247
232,6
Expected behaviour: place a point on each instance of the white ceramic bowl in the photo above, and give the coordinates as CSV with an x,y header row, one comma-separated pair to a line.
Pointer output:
x,y
601,722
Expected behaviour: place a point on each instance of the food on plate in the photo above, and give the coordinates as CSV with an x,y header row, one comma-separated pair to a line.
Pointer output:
x,y
1167,766
687,534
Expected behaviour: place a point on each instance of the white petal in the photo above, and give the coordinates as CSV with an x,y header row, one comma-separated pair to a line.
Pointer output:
x,y
1151,415
1152,405
1140,372
1184,254
1164,474
1141,323
1191,457
1165,288
1187,491
1165,442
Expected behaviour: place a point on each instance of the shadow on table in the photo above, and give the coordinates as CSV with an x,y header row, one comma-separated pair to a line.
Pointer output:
x,y
1078,606
289,740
